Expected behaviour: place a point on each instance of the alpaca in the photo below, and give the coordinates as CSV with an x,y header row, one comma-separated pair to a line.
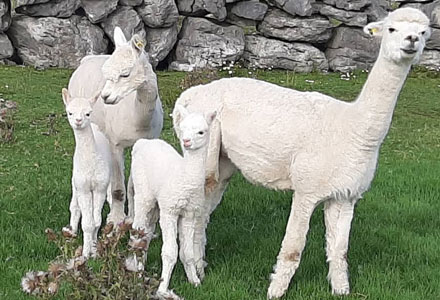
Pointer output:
x,y
130,108
91,170
163,178
324,149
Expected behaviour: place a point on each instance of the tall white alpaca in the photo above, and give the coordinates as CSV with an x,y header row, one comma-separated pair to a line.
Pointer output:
x,y
161,177
91,170
130,108
324,149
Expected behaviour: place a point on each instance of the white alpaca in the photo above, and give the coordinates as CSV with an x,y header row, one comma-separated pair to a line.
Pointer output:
x,y
324,149
163,178
91,170
131,108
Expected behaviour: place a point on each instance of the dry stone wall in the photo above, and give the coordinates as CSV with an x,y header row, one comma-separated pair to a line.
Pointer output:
x,y
299,35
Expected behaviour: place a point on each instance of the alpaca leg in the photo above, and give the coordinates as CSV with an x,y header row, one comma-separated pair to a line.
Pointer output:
x,y
117,195
186,238
85,202
213,198
98,203
338,217
130,198
293,244
75,214
168,224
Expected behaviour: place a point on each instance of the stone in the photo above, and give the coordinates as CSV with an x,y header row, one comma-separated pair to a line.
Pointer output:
x,y
253,10
204,44
98,10
160,42
6,49
430,59
434,41
348,5
127,19
52,8
5,15
29,2
130,2
295,7
351,48
54,42
158,13
278,24
262,52
377,10
216,8
347,17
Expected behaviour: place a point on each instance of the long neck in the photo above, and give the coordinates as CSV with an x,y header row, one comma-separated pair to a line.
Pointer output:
x,y
194,163
147,91
375,104
84,141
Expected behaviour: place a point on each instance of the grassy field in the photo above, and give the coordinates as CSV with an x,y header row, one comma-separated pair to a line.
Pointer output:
x,y
395,240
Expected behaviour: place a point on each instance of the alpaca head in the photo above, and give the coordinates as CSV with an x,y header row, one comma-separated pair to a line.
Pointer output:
x,y
404,33
194,128
78,110
124,70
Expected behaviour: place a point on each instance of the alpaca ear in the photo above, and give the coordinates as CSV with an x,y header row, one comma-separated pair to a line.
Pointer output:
x,y
374,28
95,98
210,117
138,43
181,113
66,96
119,37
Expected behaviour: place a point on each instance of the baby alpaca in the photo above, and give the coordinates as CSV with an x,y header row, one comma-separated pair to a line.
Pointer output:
x,y
91,171
161,177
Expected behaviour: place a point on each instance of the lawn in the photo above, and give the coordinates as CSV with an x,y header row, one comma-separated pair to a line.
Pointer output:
x,y
395,237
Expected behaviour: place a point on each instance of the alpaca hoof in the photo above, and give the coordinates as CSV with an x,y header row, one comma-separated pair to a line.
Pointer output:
x,y
341,291
276,289
200,268
195,281
68,232
167,295
115,218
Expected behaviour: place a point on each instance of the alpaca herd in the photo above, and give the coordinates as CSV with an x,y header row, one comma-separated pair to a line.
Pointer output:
x,y
324,149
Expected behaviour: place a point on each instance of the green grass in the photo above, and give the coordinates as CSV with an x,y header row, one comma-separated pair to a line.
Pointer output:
x,y
395,238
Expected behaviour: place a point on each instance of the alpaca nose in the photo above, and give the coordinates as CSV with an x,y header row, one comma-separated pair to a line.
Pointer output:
x,y
412,38
186,142
78,120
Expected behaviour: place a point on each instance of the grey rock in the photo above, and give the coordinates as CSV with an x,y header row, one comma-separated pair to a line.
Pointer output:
x,y
295,7
248,25
347,17
430,59
130,2
6,49
278,24
5,14
377,10
348,5
160,42
262,52
98,10
432,10
53,8
253,10
54,42
29,2
216,8
205,44
158,13
434,42
127,19
351,49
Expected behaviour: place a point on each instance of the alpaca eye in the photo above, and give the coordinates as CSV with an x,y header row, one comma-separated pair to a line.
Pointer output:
x,y
87,114
201,132
70,114
423,32
125,75
391,30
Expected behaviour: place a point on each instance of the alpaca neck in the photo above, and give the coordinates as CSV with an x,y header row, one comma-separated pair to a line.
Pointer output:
x,y
376,102
146,93
194,164
84,142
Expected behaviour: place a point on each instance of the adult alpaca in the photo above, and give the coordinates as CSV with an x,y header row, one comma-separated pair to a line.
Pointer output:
x,y
130,107
324,149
